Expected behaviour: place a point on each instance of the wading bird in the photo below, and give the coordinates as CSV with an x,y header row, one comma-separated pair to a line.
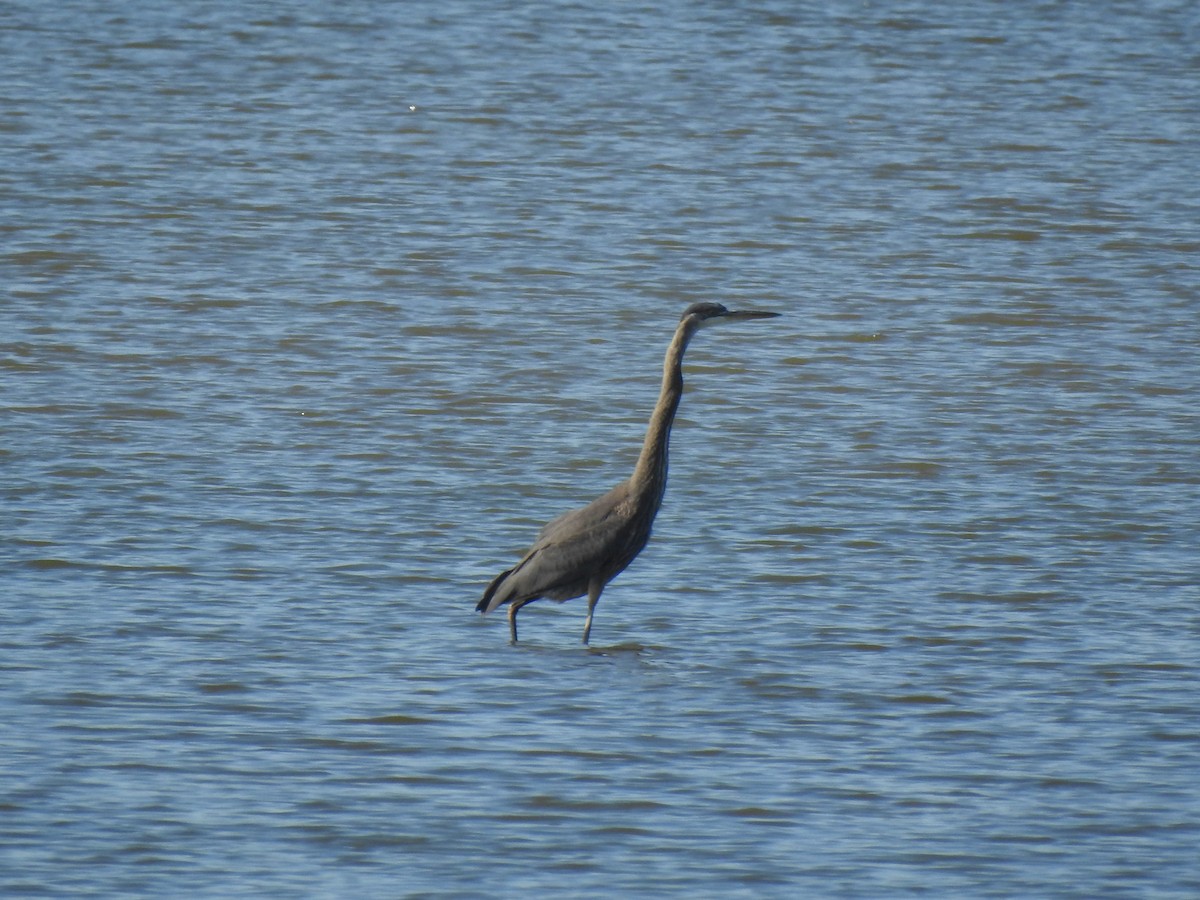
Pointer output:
x,y
583,550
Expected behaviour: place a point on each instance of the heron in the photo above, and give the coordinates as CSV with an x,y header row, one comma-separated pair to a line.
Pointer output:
x,y
583,550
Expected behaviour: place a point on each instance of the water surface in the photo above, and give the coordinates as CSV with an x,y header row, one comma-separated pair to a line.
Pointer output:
x,y
312,317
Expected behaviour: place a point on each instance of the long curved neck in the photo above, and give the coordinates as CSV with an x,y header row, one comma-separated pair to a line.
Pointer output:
x,y
650,473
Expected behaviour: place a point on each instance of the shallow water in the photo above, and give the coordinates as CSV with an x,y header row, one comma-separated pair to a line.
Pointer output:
x,y
312,319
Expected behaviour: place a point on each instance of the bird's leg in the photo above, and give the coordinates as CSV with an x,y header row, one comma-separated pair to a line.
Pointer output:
x,y
512,620
594,590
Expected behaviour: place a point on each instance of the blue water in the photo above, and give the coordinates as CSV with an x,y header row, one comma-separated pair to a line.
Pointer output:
x,y
313,315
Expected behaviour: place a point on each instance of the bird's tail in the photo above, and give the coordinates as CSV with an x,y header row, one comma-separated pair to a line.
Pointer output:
x,y
490,601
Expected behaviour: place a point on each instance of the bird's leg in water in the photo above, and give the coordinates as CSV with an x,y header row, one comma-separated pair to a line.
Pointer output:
x,y
594,590
512,620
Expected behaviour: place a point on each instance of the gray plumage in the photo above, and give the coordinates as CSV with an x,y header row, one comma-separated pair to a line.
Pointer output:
x,y
583,550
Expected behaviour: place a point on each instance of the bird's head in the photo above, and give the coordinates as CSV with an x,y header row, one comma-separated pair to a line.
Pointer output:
x,y
700,315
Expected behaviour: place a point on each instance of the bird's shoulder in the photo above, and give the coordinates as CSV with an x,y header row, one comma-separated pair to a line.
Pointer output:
x,y
608,511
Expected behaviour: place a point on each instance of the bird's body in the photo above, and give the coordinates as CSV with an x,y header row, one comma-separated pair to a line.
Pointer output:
x,y
582,550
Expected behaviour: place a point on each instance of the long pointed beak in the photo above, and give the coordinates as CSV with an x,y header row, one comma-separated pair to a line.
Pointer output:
x,y
750,314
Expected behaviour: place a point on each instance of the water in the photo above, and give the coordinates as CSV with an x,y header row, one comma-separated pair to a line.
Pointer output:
x,y
312,316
